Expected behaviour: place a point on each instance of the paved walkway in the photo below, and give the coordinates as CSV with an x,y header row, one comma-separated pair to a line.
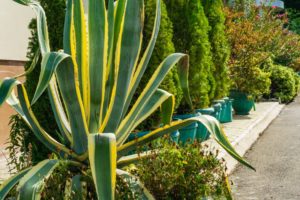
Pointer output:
x,y
276,157
245,130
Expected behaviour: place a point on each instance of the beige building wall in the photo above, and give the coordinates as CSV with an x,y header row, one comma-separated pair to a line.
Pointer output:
x,y
14,34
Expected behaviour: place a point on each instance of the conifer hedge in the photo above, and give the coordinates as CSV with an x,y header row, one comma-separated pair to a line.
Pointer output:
x,y
219,45
191,30
163,47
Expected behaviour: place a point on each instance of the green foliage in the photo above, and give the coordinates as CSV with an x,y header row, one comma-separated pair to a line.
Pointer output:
x,y
294,20
57,183
252,42
219,45
163,47
55,11
90,99
297,82
188,172
191,30
18,144
285,82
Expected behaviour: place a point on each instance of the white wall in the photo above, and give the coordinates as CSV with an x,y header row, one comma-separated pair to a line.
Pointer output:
x,y
14,33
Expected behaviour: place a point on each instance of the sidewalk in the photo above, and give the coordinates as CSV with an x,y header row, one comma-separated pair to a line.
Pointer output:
x,y
242,133
245,130
276,159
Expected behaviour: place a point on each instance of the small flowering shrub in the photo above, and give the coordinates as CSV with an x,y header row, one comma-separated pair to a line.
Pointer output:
x,y
187,172
255,37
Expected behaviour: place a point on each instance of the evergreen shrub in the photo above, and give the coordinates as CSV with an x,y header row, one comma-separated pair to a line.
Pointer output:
x,y
163,47
284,83
191,30
214,11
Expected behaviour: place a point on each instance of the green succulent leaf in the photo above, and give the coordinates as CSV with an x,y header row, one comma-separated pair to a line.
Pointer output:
x,y
127,55
70,93
13,101
143,99
183,74
32,65
81,50
135,185
104,169
6,88
75,189
32,184
98,52
58,111
43,37
10,183
48,66
23,2
38,131
142,66
160,97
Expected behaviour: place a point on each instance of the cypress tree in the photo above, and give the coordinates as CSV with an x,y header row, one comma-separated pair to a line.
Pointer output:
x,y
163,47
219,45
55,12
191,36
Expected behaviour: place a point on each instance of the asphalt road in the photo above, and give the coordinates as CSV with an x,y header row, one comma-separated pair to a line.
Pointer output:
x,y
276,157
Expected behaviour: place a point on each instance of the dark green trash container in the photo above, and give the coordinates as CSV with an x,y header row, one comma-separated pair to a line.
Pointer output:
x,y
222,111
188,133
228,110
218,108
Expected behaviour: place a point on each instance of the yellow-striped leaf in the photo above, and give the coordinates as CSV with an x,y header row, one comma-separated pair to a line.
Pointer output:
x,y
104,169
70,93
38,131
135,185
49,64
6,87
149,90
156,100
98,54
32,184
10,183
126,58
142,66
81,51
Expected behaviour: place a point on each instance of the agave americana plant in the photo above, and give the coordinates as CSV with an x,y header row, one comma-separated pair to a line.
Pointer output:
x,y
90,84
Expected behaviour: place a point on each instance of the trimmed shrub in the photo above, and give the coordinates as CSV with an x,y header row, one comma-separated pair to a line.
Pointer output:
x,y
55,11
191,37
163,47
183,173
285,83
219,45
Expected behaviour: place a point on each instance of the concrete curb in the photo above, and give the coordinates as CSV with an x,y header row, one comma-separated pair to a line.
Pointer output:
x,y
250,135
